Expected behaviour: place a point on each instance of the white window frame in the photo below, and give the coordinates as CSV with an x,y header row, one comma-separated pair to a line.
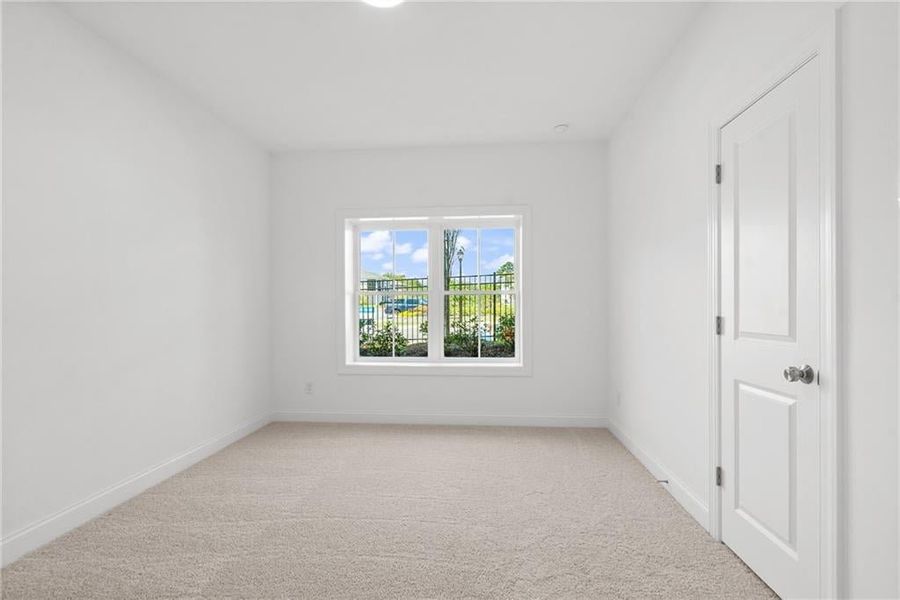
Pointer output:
x,y
433,220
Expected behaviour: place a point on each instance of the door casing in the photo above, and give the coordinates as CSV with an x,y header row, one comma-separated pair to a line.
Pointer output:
x,y
822,44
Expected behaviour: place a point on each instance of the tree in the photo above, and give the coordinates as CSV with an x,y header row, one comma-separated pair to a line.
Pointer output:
x,y
451,237
506,268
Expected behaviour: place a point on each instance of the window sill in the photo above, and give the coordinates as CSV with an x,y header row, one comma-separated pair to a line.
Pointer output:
x,y
466,369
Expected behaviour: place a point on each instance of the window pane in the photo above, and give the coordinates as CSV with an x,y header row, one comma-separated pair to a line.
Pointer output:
x,y
392,325
375,258
461,326
497,253
376,329
393,260
411,258
410,314
498,318
480,326
459,258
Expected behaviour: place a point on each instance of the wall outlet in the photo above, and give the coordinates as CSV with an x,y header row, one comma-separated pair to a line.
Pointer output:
x,y
618,399
308,388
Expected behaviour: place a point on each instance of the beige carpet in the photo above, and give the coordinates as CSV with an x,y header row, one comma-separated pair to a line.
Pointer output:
x,y
375,511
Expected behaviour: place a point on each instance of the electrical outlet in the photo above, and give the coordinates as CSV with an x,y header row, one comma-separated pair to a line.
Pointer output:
x,y
308,388
618,398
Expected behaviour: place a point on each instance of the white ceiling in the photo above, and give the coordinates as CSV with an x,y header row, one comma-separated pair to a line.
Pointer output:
x,y
329,75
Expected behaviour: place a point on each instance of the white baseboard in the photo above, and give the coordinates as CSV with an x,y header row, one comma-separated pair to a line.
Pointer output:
x,y
33,536
313,416
691,503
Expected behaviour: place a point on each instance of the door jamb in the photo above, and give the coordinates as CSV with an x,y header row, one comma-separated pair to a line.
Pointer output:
x,y
822,45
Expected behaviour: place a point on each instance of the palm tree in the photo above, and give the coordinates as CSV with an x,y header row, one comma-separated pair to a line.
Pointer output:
x,y
451,237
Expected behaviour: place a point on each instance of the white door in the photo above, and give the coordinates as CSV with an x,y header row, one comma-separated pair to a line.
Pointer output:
x,y
770,195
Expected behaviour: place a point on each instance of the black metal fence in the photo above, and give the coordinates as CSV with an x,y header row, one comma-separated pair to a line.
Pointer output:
x,y
489,282
403,317
487,319
392,284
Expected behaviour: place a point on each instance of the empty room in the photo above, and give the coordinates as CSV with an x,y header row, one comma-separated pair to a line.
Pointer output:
x,y
374,299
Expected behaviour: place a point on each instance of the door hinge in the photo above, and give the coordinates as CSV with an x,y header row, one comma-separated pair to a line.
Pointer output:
x,y
718,173
718,325
719,476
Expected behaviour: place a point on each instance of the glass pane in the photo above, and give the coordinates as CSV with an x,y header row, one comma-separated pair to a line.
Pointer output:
x,y
410,314
461,326
497,253
393,260
393,325
411,259
376,329
459,258
375,259
498,318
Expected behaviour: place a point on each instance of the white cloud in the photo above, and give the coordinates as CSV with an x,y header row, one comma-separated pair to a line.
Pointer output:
x,y
378,245
387,266
464,242
420,255
493,265
375,242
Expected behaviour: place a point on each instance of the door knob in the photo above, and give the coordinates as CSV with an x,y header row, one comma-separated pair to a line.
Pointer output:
x,y
804,374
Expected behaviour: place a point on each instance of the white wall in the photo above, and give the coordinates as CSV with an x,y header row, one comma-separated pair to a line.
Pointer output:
x,y
869,293
563,184
659,169
135,262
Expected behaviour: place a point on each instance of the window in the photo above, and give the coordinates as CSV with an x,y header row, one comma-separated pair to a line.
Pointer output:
x,y
433,293
479,300
392,295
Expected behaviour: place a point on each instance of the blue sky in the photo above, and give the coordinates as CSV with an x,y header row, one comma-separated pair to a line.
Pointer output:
x,y
410,251
407,248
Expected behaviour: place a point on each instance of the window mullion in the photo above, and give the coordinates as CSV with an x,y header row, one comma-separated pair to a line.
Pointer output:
x,y
354,246
517,273
435,293
478,298
393,273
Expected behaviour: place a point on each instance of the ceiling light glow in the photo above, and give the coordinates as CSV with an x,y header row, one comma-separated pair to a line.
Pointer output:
x,y
383,3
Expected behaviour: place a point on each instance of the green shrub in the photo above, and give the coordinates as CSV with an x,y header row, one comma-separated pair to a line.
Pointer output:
x,y
463,338
417,349
382,341
505,333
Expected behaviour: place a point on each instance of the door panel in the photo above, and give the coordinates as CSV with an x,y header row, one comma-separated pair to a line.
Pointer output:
x,y
765,481
770,303
764,203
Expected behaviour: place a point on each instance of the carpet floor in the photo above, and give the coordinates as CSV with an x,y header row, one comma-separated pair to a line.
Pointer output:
x,y
382,511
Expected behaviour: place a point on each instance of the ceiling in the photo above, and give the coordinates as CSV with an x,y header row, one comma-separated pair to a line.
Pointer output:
x,y
346,75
